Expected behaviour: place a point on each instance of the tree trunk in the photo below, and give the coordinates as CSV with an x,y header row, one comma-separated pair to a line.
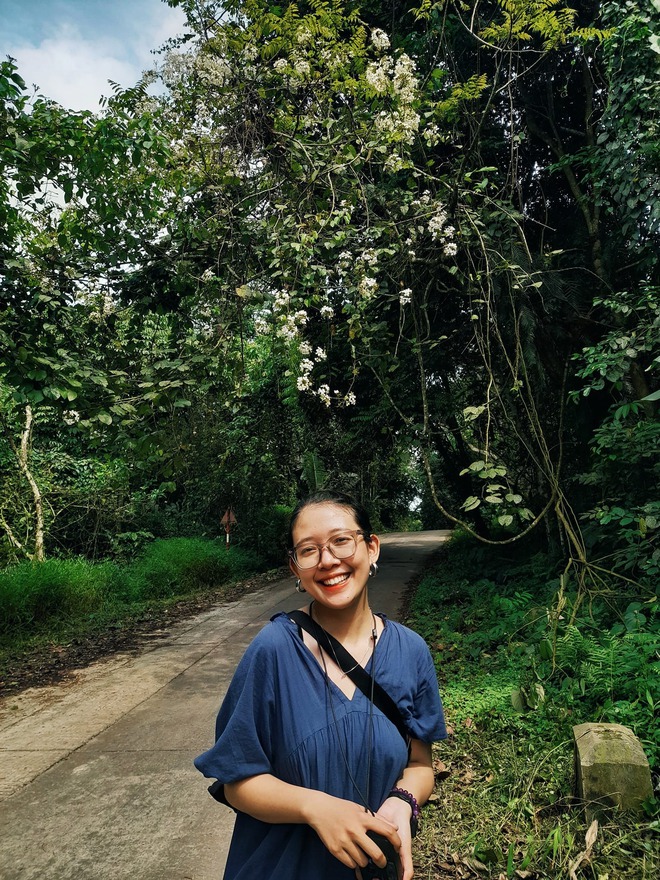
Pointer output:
x,y
23,455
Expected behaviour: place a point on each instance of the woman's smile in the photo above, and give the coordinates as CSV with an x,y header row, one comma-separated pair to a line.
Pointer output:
x,y
337,581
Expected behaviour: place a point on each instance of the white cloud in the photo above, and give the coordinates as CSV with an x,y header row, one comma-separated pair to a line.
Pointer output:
x,y
72,65
72,71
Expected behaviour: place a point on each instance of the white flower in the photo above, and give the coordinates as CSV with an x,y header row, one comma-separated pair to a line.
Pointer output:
x,y
280,65
282,299
450,249
405,296
327,311
212,70
404,81
306,366
300,317
208,275
288,329
320,354
377,75
303,383
261,326
380,40
437,223
302,68
350,399
367,287
369,257
305,348
323,392
70,417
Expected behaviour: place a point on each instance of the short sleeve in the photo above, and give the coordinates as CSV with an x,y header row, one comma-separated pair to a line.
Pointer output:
x,y
245,723
427,719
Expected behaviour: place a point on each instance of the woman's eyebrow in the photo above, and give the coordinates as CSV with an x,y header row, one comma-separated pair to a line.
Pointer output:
x,y
331,532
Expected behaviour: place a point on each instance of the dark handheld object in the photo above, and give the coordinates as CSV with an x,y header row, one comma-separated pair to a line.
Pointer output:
x,y
390,871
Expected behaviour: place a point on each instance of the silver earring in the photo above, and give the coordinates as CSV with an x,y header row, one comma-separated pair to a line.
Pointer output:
x,y
299,587
373,570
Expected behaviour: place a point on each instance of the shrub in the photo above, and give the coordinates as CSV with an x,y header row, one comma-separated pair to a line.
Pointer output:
x,y
175,566
33,593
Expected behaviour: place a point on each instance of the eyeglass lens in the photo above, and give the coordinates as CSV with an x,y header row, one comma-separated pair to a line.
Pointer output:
x,y
341,547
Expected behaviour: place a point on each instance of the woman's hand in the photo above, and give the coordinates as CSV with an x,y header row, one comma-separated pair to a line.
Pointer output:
x,y
343,826
397,813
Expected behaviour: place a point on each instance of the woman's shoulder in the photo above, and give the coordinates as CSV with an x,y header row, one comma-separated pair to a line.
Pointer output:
x,y
404,637
275,633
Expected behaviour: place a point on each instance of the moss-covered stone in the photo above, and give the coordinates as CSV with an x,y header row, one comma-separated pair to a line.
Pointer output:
x,y
611,768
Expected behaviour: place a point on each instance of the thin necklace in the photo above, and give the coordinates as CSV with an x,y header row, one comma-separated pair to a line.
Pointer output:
x,y
370,732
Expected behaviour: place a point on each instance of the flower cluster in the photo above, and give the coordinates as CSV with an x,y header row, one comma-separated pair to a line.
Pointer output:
x,y
261,326
404,80
403,124
405,296
367,287
378,75
211,69
302,68
443,231
282,300
326,311
323,393
380,40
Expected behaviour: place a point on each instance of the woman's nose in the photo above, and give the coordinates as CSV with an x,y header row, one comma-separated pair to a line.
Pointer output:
x,y
326,557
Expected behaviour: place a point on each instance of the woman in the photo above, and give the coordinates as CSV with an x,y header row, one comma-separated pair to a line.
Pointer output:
x,y
308,762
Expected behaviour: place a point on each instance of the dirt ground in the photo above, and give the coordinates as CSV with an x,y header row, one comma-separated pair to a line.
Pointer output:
x,y
49,664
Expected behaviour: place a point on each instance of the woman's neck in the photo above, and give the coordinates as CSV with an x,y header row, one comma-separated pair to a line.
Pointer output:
x,y
346,624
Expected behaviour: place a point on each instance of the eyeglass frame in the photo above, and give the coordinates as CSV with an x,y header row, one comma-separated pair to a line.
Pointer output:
x,y
322,547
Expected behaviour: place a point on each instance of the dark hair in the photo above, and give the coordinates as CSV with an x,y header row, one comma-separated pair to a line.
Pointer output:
x,y
328,496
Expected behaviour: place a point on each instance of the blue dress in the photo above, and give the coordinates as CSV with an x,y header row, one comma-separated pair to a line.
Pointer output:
x,y
281,716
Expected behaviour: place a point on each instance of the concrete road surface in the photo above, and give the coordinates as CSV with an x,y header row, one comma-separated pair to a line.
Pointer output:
x,y
96,775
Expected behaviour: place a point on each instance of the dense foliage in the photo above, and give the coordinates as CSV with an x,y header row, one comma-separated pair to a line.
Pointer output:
x,y
514,681
411,252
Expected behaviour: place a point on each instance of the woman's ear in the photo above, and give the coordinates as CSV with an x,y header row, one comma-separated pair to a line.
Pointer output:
x,y
374,547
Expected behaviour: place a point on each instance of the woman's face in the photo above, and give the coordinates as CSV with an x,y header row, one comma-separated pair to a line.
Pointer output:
x,y
335,583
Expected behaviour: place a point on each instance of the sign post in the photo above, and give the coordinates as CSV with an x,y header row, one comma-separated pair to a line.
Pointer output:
x,y
228,520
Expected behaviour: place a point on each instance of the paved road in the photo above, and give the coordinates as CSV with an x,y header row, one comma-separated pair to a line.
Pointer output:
x,y
96,776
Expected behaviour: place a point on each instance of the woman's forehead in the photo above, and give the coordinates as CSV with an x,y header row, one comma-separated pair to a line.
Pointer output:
x,y
323,518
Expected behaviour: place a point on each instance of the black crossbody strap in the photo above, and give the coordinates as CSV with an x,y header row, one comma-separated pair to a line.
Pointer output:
x,y
381,699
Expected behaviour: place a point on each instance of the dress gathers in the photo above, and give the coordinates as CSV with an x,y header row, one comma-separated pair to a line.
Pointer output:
x,y
282,716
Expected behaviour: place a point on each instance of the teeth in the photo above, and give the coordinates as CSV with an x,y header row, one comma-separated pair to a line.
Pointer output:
x,y
337,580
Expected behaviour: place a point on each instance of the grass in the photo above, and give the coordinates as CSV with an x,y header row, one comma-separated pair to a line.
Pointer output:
x,y
504,806
64,600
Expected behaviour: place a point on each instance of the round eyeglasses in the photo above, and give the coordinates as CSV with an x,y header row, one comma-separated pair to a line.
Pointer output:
x,y
308,555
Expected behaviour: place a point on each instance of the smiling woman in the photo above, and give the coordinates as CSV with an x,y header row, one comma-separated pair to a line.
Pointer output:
x,y
71,48
325,758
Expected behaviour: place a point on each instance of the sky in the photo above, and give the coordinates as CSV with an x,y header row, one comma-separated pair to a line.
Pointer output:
x,y
71,48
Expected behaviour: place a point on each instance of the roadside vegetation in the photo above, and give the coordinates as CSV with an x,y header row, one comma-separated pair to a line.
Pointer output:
x,y
44,606
516,675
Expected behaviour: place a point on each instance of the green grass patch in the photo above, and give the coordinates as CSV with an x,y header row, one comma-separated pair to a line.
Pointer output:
x,y
61,600
516,672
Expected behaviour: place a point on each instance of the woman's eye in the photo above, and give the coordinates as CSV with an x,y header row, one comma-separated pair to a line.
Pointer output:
x,y
307,551
340,540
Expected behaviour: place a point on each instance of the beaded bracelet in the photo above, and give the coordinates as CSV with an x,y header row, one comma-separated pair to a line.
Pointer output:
x,y
410,799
